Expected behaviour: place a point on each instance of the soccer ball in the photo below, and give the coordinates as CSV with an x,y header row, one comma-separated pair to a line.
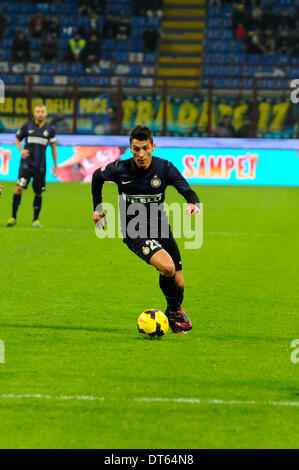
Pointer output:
x,y
152,324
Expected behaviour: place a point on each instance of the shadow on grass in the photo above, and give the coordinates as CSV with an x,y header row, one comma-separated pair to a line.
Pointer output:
x,y
71,328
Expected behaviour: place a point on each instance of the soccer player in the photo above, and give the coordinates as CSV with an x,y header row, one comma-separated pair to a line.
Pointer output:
x,y
1,187
142,180
38,133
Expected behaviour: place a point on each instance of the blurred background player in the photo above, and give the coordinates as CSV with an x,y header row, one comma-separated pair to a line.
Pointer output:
x,y
1,187
142,181
37,134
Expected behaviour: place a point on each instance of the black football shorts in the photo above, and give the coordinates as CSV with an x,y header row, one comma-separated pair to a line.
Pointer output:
x,y
38,180
146,247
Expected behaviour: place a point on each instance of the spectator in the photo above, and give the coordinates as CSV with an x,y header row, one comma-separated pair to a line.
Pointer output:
x,y
92,51
76,47
217,3
3,24
49,48
285,21
295,44
37,25
241,32
269,43
53,26
93,23
109,27
270,20
246,129
21,47
86,7
98,6
150,39
60,123
123,28
154,8
239,16
253,42
284,43
225,127
139,8
257,19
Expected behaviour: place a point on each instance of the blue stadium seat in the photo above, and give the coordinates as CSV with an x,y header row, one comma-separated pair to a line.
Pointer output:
x,y
76,69
46,80
150,58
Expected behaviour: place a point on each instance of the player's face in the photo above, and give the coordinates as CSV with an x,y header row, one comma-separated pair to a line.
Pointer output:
x,y
142,152
40,113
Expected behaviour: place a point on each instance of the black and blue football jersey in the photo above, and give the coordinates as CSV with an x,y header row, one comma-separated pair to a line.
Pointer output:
x,y
138,186
36,141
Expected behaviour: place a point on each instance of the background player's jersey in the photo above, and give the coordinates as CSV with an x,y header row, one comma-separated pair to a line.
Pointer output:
x,y
139,186
36,141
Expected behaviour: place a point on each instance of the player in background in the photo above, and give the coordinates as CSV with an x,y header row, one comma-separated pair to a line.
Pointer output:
x,y
1,187
37,134
143,180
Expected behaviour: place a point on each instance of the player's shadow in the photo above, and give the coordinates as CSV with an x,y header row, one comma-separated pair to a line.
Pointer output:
x,y
66,327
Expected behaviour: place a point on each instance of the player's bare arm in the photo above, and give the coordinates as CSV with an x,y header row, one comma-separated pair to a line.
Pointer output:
x,y
54,155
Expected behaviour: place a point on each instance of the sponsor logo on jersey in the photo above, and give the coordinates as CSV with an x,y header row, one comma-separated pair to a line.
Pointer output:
x,y
142,198
146,250
37,140
155,182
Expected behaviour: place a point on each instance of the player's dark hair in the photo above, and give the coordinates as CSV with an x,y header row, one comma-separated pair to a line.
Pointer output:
x,y
141,133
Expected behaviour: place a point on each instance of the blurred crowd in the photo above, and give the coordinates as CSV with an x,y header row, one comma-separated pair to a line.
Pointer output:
x,y
264,32
262,29
85,43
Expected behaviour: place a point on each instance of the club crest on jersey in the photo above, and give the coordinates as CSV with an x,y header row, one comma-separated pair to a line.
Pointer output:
x,y
146,250
46,133
155,182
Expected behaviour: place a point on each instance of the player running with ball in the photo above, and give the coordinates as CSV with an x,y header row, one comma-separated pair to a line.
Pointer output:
x,y
142,181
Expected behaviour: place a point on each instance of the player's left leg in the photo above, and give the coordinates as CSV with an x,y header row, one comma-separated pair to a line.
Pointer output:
x,y
38,186
178,320
179,280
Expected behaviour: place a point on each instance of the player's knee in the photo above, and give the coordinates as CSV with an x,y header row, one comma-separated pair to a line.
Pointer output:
x,y
180,284
168,270
19,190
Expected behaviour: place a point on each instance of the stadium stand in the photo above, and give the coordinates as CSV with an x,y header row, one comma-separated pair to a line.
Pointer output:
x,y
251,42
121,55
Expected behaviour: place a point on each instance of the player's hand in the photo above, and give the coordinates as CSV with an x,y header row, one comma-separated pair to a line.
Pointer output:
x,y
1,187
98,216
55,171
192,209
25,153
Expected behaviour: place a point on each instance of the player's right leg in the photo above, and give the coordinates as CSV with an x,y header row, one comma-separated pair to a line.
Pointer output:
x,y
16,201
178,320
22,183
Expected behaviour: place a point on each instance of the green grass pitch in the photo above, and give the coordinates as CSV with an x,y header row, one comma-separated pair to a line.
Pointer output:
x,y
69,304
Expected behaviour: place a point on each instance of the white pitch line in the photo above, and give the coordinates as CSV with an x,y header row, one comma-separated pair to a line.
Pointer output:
x,y
50,397
214,401
199,401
